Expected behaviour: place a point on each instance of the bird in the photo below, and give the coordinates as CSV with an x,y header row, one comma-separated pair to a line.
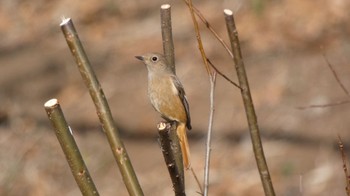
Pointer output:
x,y
168,97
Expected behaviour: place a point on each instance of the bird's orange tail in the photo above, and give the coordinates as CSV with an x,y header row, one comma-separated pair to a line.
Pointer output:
x,y
185,149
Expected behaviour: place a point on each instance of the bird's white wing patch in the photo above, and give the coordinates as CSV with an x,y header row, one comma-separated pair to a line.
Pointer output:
x,y
174,89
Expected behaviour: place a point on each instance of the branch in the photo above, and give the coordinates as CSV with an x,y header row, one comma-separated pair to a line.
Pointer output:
x,y
210,128
168,48
223,75
345,166
193,10
199,40
339,83
336,76
324,105
167,35
248,104
71,151
171,149
207,24
102,108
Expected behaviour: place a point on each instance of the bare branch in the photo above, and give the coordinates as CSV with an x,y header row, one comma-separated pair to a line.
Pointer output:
x,y
324,105
199,40
102,109
336,76
209,134
207,24
197,180
167,35
69,146
345,166
222,75
248,104
193,10
171,149
176,170
339,83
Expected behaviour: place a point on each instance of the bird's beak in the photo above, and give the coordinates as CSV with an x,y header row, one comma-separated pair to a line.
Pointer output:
x,y
139,58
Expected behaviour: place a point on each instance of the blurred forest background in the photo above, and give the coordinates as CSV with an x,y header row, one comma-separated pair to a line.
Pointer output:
x,y
282,43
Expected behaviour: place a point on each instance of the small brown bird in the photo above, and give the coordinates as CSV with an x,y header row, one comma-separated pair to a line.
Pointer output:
x,y
167,96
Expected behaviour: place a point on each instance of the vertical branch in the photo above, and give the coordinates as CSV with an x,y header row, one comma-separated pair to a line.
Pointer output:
x,y
70,148
248,104
210,127
102,108
169,134
171,149
345,166
168,47
212,78
167,35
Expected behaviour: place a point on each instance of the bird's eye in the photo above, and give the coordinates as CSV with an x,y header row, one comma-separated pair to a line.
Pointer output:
x,y
154,58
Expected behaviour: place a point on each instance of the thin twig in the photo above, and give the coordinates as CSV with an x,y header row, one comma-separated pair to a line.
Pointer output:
x,y
193,9
102,108
207,24
199,40
248,104
209,135
340,83
345,166
336,76
197,180
71,151
223,75
324,105
170,151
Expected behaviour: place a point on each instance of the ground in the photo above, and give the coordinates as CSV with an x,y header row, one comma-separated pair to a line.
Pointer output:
x,y
283,44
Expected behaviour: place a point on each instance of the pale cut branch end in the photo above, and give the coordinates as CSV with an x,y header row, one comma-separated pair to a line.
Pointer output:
x,y
64,20
165,6
228,12
161,126
52,103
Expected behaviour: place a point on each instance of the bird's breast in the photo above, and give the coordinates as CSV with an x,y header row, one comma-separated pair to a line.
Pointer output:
x,y
164,98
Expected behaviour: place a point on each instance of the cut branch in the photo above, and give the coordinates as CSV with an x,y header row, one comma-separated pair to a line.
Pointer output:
x,y
168,47
71,151
248,104
171,148
102,108
167,35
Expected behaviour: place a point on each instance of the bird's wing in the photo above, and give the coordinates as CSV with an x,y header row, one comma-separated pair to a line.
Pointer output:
x,y
182,95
